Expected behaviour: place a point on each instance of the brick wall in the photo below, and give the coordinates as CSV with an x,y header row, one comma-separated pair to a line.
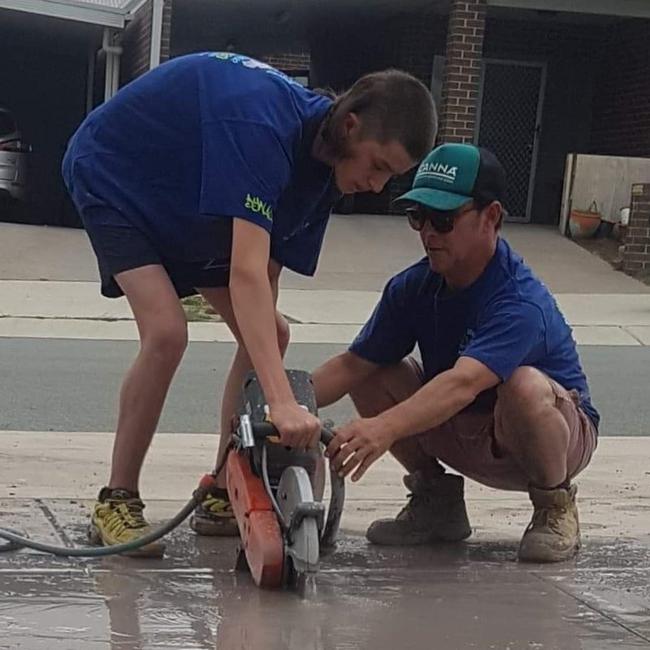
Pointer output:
x,y
136,42
621,124
462,71
289,61
636,254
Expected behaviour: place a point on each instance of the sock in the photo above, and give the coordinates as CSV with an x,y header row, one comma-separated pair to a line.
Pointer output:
x,y
220,493
107,493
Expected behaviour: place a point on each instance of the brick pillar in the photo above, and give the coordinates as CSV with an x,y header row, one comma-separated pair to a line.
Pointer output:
x,y
165,42
462,70
636,254
137,41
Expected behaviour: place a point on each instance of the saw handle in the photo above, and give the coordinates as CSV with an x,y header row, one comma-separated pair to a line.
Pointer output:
x,y
262,430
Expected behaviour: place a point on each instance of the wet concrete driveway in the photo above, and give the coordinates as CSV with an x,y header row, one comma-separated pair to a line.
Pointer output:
x,y
472,595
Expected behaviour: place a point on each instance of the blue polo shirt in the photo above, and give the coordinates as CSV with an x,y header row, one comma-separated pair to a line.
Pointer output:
x,y
506,319
205,137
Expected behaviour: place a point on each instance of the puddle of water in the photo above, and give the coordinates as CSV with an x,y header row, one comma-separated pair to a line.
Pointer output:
x,y
349,610
448,597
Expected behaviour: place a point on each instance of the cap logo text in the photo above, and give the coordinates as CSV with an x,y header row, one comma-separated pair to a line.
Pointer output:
x,y
439,171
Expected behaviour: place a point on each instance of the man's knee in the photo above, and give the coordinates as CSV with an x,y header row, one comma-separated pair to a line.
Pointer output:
x,y
528,422
369,395
526,392
524,406
386,387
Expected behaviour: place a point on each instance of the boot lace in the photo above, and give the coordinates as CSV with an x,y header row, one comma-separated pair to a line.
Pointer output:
x,y
416,503
549,517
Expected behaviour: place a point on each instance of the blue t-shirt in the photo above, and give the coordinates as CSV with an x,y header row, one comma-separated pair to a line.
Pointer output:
x,y
506,319
205,137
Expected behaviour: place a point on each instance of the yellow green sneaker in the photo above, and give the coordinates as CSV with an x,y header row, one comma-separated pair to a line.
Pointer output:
x,y
215,516
117,519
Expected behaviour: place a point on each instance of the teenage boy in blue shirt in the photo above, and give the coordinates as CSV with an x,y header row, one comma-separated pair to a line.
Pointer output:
x,y
499,394
209,174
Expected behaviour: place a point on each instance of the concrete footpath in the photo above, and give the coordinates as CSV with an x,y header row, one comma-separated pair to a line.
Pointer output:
x,y
45,295
75,310
614,491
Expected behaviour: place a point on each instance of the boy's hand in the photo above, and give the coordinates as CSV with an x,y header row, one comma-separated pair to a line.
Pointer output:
x,y
297,427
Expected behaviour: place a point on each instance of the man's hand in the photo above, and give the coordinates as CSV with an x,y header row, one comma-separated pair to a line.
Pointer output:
x,y
357,445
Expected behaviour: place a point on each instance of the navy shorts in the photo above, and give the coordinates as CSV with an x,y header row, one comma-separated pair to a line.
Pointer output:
x,y
120,246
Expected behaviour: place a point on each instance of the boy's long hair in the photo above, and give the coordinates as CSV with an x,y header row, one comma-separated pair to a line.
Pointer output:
x,y
391,105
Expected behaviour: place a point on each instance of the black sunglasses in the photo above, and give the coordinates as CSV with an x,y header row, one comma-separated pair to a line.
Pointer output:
x,y
441,221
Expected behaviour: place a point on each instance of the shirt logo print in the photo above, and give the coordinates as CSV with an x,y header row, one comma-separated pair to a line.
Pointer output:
x,y
255,204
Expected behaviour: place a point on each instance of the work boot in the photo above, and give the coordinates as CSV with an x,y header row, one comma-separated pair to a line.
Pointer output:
x,y
214,516
435,512
553,534
117,519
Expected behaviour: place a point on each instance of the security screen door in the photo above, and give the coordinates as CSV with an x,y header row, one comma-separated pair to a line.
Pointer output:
x,y
508,123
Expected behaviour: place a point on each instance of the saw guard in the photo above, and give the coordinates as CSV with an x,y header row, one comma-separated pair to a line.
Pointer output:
x,y
259,529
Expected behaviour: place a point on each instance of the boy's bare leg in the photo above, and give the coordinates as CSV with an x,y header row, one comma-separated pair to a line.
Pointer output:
x,y
117,516
219,299
239,366
163,338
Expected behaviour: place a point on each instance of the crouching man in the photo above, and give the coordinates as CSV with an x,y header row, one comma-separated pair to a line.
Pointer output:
x,y
500,395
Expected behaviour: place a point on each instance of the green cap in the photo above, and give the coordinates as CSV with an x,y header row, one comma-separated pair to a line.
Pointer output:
x,y
453,174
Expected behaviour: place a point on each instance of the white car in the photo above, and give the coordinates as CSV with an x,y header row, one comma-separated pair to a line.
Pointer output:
x,y
13,159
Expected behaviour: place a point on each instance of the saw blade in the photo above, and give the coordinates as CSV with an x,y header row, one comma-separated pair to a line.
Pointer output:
x,y
295,497
304,551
